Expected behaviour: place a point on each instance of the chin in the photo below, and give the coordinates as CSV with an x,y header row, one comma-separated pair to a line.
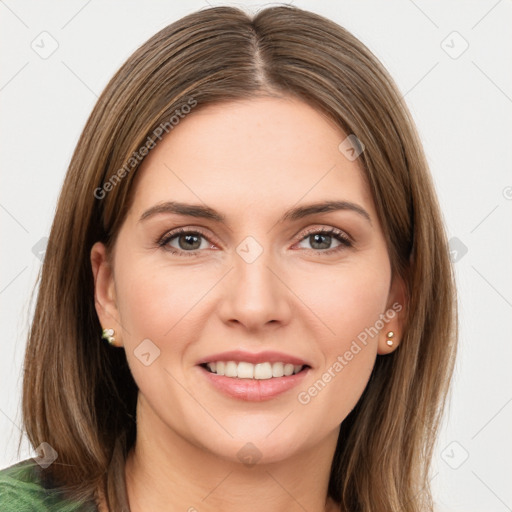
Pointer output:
x,y
258,445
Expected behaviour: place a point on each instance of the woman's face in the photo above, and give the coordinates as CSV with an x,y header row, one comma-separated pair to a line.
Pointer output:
x,y
251,282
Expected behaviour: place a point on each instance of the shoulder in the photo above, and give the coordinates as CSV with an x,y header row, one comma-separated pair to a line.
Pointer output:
x,y
22,489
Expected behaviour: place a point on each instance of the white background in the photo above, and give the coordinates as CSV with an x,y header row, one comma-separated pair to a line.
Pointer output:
x,y
462,107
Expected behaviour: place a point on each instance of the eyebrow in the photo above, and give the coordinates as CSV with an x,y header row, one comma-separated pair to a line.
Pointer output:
x,y
299,212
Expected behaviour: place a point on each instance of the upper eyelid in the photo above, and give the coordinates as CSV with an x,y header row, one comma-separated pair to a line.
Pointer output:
x,y
169,235
331,229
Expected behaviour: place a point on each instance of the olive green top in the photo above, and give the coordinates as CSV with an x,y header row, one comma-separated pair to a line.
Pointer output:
x,y
24,489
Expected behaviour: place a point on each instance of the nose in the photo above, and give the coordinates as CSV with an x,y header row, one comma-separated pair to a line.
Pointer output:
x,y
254,294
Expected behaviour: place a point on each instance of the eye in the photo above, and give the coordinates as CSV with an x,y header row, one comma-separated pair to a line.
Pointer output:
x,y
184,242
321,240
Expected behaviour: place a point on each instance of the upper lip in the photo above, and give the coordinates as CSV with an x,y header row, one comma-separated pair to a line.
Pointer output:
x,y
254,357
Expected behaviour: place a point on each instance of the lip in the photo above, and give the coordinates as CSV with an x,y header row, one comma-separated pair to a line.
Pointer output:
x,y
254,358
253,390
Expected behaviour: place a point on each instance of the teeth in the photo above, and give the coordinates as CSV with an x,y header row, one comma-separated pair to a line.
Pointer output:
x,y
231,369
260,371
277,370
288,369
245,371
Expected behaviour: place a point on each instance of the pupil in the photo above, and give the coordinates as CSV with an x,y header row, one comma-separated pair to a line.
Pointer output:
x,y
325,243
189,240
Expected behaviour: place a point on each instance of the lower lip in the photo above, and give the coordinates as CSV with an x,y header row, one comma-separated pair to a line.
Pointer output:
x,y
254,390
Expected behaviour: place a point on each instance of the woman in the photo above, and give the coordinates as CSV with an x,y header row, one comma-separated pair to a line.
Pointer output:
x,y
249,223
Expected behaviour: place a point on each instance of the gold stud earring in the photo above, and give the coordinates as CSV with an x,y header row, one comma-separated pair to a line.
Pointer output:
x,y
108,335
389,341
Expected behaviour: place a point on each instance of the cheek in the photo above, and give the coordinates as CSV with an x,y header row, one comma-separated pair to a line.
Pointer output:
x,y
153,298
157,302
347,300
350,304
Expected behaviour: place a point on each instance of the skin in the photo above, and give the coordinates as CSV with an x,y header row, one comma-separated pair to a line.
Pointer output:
x,y
251,161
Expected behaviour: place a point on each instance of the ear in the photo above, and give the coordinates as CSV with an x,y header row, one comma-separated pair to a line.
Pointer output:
x,y
393,317
104,291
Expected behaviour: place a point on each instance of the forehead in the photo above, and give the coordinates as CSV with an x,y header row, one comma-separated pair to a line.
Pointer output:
x,y
264,154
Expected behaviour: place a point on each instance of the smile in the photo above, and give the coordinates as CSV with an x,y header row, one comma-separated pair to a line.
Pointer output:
x,y
253,382
259,371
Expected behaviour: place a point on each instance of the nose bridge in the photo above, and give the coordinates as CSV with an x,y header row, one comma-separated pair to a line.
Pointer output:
x,y
255,295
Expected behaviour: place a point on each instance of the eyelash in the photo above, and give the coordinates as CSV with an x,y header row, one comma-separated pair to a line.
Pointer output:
x,y
344,240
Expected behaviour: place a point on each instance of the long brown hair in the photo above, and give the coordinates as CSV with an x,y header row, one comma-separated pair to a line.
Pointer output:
x,y
78,393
